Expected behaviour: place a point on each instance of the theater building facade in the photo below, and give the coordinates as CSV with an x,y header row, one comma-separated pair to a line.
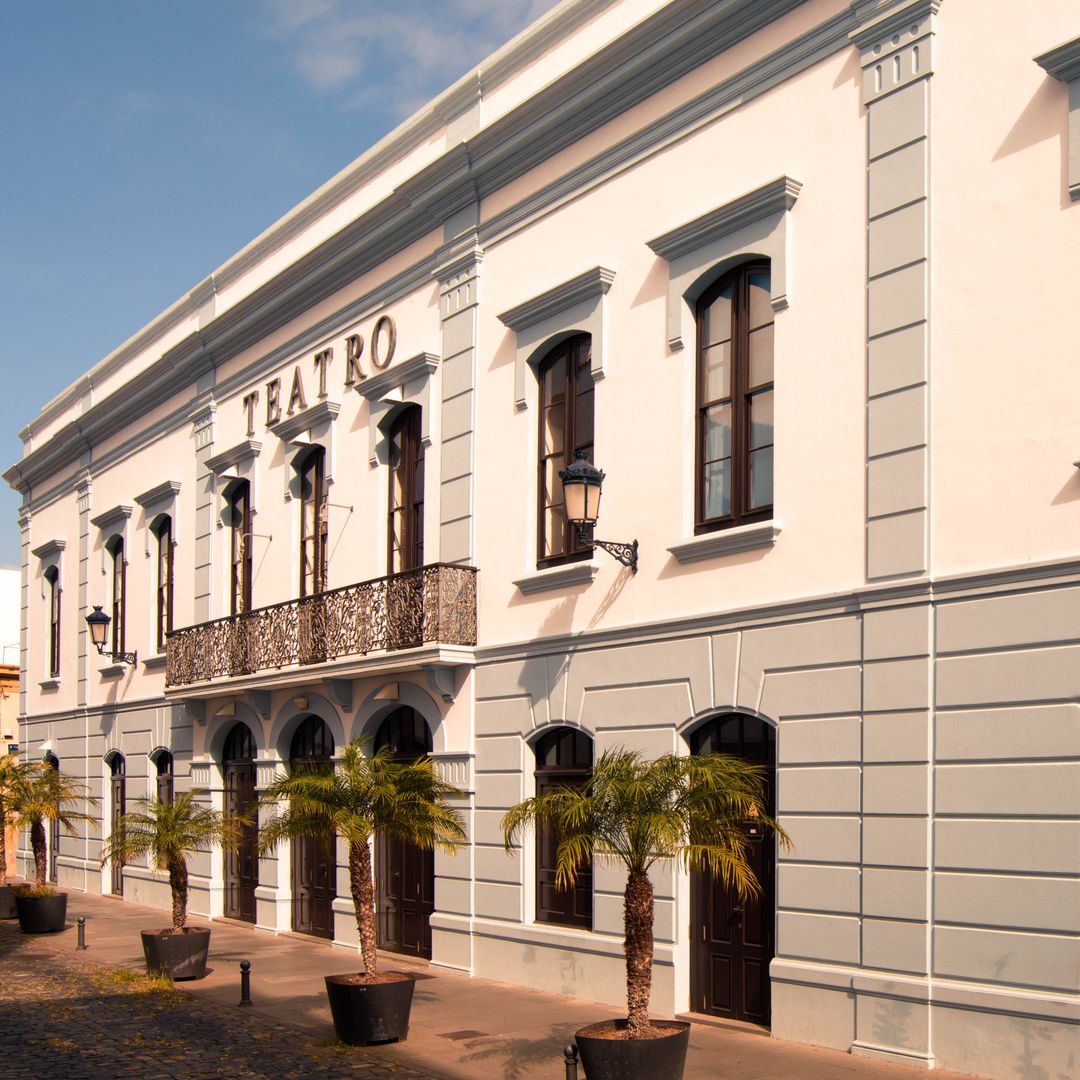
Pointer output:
x,y
801,277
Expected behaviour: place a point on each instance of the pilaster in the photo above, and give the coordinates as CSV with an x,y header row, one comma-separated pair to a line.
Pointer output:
x,y
83,494
202,431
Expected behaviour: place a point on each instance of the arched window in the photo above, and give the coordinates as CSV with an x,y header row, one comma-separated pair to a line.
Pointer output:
x,y
52,576
566,426
313,516
242,858
405,524
118,794
164,597
239,517
163,762
115,548
312,742
53,762
563,759
735,400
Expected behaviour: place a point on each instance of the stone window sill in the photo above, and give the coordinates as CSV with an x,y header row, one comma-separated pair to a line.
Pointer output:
x,y
112,671
49,684
557,577
725,542
153,663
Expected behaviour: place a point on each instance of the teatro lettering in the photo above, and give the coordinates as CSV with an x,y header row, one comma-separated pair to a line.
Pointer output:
x,y
381,352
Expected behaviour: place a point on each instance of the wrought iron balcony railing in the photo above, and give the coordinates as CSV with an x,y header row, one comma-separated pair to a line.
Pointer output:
x,y
435,604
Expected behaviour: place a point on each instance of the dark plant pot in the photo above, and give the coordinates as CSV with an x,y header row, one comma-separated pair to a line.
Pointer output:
x,y
370,1012
41,914
631,1059
180,956
7,902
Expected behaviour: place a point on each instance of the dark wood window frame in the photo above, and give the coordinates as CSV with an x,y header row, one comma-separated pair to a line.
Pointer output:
x,y
240,548
405,502
313,522
118,605
564,758
164,597
739,399
163,763
572,419
52,576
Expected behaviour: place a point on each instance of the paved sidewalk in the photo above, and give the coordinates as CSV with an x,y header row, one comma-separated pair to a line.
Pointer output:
x,y
460,1029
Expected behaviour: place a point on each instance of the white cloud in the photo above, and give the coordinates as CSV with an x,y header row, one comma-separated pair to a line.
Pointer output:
x,y
392,55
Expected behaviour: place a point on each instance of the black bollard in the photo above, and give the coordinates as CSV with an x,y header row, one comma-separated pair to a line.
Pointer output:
x,y
245,982
80,924
570,1056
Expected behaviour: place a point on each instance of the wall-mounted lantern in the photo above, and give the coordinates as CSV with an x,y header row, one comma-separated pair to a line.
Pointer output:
x,y
582,486
98,622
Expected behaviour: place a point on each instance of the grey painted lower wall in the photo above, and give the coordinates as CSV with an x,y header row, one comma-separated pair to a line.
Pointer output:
x,y
928,745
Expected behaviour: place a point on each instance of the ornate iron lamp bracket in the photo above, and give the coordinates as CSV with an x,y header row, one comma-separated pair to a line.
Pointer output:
x,y
619,551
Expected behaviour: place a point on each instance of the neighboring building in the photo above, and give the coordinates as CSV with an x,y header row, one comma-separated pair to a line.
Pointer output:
x,y
802,278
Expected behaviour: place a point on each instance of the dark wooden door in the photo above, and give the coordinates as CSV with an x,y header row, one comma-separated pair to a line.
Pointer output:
x,y
119,800
242,861
732,942
314,859
54,829
404,874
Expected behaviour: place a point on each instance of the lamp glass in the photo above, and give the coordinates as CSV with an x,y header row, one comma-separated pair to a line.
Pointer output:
x,y
98,622
576,499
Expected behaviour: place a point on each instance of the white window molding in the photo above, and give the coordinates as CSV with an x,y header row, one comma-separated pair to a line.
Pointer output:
x,y
407,383
722,542
159,500
313,426
236,463
1063,63
574,307
557,577
697,252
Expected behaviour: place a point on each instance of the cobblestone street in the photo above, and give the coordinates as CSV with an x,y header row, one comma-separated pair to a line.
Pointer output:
x,y
68,1018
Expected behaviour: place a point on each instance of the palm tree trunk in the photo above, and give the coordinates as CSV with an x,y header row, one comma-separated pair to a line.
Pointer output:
x,y
37,844
363,894
638,903
178,883
3,843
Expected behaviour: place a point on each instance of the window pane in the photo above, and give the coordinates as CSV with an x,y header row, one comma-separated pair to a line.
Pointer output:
x,y
554,531
583,419
761,311
761,420
716,383
761,356
717,432
553,492
555,382
716,323
554,429
761,490
717,500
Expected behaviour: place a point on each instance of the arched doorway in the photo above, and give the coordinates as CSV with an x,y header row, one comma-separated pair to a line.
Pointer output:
x,y
242,861
731,943
314,861
53,762
118,801
404,873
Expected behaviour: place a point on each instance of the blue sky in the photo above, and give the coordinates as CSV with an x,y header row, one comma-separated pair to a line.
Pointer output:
x,y
145,141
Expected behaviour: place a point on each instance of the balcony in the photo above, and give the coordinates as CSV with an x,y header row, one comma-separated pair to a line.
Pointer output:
x,y
434,605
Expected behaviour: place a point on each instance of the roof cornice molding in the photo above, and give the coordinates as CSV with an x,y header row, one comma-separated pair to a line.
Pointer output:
x,y
110,519
586,286
160,493
775,197
1062,62
376,387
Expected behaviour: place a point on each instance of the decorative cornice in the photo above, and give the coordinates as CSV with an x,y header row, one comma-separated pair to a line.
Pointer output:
x,y
234,456
1062,62
163,492
775,197
48,550
289,427
375,387
110,519
587,286
877,19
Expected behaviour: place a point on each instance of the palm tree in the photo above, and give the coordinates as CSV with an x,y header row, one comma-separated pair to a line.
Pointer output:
x,y
363,797
639,812
40,793
8,766
169,832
